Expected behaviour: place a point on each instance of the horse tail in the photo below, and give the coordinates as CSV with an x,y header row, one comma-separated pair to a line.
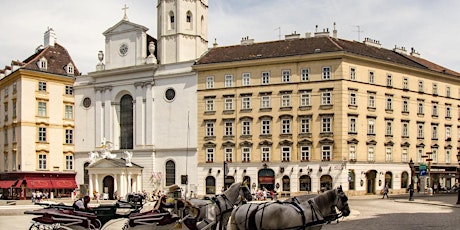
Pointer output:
x,y
231,225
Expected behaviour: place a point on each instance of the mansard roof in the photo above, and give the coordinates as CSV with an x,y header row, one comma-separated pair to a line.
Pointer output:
x,y
314,45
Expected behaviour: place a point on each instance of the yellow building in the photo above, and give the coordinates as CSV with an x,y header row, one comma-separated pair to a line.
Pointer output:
x,y
309,114
37,122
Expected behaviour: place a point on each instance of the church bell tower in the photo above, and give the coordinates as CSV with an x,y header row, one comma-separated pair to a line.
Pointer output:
x,y
182,30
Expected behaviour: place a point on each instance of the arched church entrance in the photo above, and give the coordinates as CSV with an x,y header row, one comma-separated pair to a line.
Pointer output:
x,y
266,179
108,186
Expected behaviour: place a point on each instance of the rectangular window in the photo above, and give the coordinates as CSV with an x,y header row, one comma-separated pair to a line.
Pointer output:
x,y
305,99
405,105
326,98
326,153
286,100
228,128
304,125
447,91
13,158
353,74
265,154
420,107
352,126
448,155
435,89
210,82
246,151
285,126
389,102
353,96
228,80
228,154
14,109
420,131
246,126
5,161
448,133
246,103
420,86
370,153
435,155
434,129
41,86
68,90
389,128
304,153
371,100
371,126
42,109
15,87
69,162
209,155
371,77
6,111
352,152
246,79
305,74
435,109
388,154
285,154
405,83
389,81
42,161
69,136
405,129
326,124
286,76
265,78
265,102
419,155
228,103
448,111
209,105
326,73
41,134
68,112
404,152
266,127
209,129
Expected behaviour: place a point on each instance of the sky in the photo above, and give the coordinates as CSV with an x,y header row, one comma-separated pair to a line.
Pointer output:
x,y
432,28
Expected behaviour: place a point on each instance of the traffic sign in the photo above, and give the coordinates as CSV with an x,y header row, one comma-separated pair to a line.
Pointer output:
x,y
422,172
422,166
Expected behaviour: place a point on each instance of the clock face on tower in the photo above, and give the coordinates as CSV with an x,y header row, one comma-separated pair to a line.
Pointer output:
x,y
123,49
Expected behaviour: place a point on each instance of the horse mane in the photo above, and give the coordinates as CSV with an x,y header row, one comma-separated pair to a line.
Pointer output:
x,y
325,197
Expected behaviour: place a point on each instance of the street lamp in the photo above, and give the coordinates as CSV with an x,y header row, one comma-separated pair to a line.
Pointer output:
x,y
411,186
458,189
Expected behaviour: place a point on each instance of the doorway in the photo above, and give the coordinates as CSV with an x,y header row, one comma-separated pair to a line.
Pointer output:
x,y
370,179
108,186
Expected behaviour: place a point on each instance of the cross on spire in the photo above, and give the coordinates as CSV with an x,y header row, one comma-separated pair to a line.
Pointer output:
x,y
124,12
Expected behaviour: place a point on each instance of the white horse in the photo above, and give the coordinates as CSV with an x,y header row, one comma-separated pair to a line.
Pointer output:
x,y
300,214
215,212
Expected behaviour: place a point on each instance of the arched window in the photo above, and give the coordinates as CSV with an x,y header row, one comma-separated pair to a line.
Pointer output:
x,y
126,122
325,182
389,179
170,173
305,183
85,173
351,180
229,181
171,20
189,20
202,24
404,179
210,185
248,180
286,183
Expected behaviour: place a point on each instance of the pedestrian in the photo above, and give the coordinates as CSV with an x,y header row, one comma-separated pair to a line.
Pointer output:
x,y
34,196
385,192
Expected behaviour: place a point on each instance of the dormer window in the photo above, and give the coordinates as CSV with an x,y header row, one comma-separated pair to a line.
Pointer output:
x,y
69,69
42,64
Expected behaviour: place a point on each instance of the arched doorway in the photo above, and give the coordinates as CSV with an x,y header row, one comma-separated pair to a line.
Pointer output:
x,y
404,179
351,180
266,179
126,122
389,179
248,180
170,173
286,184
229,180
210,185
370,181
305,183
325,183
107,188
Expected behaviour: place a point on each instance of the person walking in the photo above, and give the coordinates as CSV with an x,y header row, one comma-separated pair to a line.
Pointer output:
x,y
385,192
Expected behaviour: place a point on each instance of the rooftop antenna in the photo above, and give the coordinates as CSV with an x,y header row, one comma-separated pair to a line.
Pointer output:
x,y
279,32
359,32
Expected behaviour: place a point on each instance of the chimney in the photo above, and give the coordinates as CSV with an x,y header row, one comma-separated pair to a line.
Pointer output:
x,y
308,34
247,41
294,35
325,33
372,42
413,53
215,43
50,37
401,50
334,32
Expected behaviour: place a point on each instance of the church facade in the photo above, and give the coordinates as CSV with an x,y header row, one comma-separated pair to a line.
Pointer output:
x,y
140,104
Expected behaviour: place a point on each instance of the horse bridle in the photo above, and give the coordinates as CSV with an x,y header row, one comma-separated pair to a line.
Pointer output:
x,y
334,215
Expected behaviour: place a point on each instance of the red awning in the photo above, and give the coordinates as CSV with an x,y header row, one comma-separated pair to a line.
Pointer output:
x,y
34,183
64,183
6,183
18,185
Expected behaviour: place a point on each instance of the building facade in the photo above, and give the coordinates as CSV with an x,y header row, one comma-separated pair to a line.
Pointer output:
x,y
142,101
37,110
309,114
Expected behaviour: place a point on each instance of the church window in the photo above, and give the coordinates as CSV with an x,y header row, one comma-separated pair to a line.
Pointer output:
x,y
126,122
171,20
188,19
170,173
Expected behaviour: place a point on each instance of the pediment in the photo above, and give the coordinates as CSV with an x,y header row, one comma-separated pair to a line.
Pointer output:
x,y
124,26
111,163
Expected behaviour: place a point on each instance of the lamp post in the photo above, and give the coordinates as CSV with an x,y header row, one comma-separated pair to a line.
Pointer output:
x,y
411,186
458,189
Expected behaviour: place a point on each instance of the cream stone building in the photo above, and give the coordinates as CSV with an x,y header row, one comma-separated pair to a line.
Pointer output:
x,y
37,122
307,114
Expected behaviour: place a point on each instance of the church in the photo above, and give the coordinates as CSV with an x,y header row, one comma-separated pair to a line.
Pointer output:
x,y
135,114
